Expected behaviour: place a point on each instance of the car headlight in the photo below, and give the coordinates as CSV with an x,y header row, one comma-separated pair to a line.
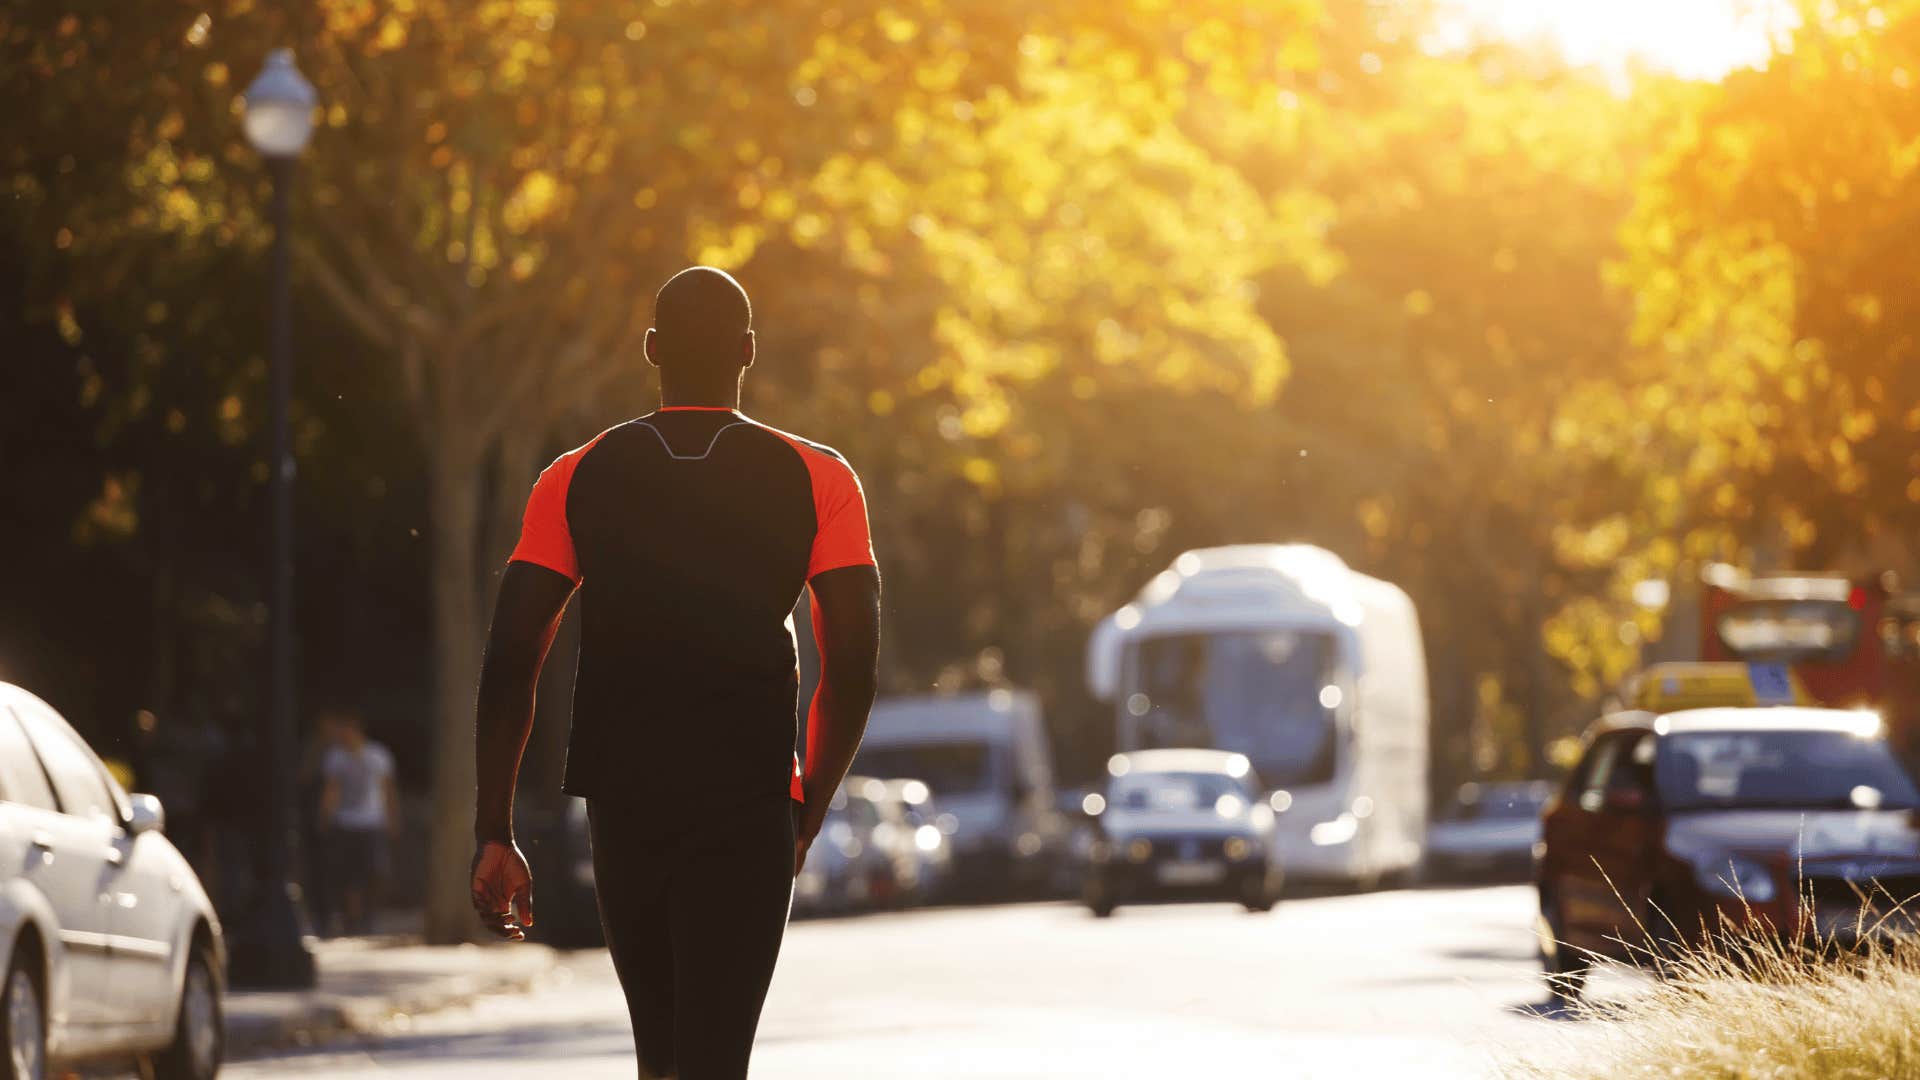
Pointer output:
x,y
1237,848
1733,876
1338,831
1140,850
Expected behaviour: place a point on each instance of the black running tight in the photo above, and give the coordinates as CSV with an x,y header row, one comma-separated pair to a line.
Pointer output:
x,y
694,906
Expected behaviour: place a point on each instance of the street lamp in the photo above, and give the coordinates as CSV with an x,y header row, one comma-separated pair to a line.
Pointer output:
x,y
270,947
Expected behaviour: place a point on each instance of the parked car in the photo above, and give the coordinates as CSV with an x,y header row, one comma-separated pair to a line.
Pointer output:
x,y
1181,824
1488,832
930,830
852,865
1790,821
897,872
109,947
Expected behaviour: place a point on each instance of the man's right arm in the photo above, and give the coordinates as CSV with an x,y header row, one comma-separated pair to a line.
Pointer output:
x,y
846,626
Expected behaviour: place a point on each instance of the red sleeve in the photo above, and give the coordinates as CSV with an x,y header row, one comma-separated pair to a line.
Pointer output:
x,y
841,537
545,538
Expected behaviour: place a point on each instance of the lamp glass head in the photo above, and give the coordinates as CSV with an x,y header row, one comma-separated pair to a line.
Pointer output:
x,y
279,108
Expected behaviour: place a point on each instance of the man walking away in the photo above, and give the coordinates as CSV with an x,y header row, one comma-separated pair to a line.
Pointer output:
x,y
690,533
360,811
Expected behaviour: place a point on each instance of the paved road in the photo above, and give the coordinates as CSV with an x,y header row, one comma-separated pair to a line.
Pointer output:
x,y
1427,983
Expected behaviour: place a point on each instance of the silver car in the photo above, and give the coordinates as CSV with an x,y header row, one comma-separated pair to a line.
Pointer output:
x,y
109,947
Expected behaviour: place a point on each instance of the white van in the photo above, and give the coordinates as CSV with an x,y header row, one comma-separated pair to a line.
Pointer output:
x,y
986,759
1315,672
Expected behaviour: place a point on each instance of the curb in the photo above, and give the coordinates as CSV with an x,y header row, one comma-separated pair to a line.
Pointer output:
x,y
259,1023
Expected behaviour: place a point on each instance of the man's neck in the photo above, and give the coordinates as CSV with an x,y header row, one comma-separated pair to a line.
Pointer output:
x,y
671,398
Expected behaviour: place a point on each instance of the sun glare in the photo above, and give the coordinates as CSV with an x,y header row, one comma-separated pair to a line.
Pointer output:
x,y
1702,39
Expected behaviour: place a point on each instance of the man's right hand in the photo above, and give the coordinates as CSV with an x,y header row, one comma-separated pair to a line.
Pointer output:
x,y
807,819
503,887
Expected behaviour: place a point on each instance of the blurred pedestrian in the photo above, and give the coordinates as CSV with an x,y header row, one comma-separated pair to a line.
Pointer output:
x,y
694,528
359,812
321,737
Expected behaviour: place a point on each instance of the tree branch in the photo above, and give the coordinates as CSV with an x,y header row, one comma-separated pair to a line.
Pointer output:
x,y
348,302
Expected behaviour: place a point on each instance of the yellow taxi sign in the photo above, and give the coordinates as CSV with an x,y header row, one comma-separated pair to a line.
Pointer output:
x,y
1671,687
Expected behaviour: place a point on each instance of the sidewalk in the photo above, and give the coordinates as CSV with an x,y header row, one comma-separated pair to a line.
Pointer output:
x,y
365,982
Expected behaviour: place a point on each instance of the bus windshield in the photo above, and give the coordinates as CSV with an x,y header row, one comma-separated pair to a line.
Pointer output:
x,y
1262,693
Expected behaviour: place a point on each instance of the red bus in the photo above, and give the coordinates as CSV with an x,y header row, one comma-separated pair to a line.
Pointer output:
x,y
1854,643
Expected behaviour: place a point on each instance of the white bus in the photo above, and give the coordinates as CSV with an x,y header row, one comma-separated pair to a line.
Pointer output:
x,y
1315,672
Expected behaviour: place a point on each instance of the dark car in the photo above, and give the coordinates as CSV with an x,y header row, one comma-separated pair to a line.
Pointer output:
x,y
1180,824
1788,821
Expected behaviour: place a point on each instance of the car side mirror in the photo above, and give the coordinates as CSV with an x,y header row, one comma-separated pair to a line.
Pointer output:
x,y
146,815
1625,801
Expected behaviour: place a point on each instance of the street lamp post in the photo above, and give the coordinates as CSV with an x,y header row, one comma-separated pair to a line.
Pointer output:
x,y
270,946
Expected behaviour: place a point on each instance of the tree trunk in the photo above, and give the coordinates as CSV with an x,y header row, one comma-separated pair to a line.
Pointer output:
x,y
454,487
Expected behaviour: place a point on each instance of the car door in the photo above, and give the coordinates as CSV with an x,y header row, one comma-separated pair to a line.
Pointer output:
x,y
147,917
1572,835
1606,834
68,862
142,885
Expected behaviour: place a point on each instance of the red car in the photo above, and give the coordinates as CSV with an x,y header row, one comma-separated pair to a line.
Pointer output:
x,y
1799,822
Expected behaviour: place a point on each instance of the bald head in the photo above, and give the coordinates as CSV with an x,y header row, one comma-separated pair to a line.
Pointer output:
x,y
702,325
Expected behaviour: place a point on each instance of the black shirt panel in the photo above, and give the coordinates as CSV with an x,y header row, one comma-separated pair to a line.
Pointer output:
x,y
693,531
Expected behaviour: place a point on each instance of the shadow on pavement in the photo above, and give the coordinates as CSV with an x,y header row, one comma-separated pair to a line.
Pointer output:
x,y
1496,954
535,1043
1550,1009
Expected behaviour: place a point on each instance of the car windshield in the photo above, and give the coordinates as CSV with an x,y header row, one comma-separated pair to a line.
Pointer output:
x,y
1780,769
1268,694
959,768
1173,791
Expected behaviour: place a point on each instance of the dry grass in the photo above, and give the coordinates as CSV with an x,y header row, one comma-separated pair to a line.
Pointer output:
x,y
1756,1009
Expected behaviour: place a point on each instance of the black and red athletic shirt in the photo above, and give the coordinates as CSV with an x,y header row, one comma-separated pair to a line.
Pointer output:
x,y
690,532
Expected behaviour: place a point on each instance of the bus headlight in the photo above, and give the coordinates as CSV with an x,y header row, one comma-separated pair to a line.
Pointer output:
x,y
1140,850
1237,848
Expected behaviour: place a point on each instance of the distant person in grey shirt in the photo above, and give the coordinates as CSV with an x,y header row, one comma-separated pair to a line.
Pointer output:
x,y
359,813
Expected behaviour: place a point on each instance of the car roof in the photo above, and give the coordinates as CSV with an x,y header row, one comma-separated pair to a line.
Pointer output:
x,y
1200,761
1758,718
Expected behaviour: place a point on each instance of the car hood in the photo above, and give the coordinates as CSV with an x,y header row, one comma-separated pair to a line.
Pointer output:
x,y
1801,835
1184,823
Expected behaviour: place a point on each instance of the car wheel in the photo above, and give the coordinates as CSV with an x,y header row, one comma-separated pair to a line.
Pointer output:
x,y
23,1026
1257,896
1097,896
1565,965
199,1035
